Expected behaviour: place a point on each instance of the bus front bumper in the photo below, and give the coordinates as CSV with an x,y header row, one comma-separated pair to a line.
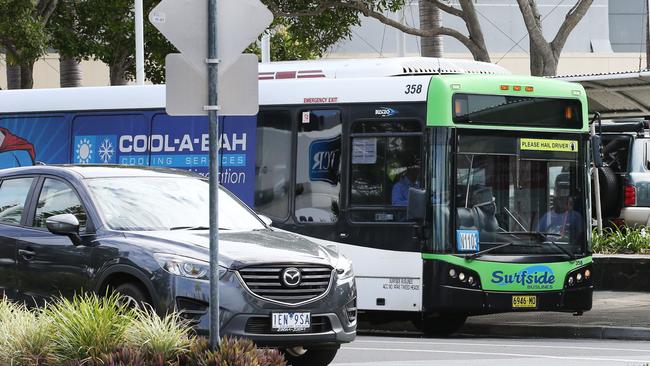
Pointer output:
x,y
450,299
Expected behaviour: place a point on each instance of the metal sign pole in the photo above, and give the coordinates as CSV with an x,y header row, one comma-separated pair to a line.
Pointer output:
x,y
213,115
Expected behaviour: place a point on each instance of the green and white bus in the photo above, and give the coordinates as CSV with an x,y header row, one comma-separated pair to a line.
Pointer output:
x,y
498,217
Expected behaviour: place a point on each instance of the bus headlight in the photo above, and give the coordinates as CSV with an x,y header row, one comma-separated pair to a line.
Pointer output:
x,y
579,277
463,277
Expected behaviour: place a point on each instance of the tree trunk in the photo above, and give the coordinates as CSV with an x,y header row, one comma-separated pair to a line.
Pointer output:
x,y
647,36
27,75
430,18
69,72
13,76
117,74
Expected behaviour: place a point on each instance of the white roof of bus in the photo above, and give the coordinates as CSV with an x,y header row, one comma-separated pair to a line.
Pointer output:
x,y
381,67
321,82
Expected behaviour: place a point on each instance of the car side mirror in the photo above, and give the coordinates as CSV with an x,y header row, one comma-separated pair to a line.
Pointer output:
x,y
596,150
64,224
417,204
266,220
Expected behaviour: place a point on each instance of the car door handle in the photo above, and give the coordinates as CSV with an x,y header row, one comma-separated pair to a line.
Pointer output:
x,y
26,254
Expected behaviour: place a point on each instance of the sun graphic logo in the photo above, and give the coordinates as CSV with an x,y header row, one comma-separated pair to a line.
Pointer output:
x,y
106,151
84,151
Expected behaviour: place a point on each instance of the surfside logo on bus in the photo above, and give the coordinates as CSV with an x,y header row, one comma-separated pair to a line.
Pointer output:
x,y
538,277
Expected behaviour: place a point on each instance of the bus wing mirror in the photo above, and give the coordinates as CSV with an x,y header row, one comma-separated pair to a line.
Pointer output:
x,y
417,204
596,150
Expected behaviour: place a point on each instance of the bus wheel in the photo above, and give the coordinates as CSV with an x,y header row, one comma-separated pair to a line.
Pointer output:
x,y
442,325
298,356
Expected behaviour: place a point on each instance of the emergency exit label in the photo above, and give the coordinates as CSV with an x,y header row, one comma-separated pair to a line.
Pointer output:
x,y
549,145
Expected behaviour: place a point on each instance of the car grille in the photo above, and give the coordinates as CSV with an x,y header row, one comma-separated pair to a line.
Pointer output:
x,y
266,282
262,325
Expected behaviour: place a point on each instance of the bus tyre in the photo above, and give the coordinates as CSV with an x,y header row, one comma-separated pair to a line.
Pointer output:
x,y
609,193
442,325
299,356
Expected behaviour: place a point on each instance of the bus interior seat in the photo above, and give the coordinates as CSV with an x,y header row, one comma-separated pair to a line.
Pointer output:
x,y
481,215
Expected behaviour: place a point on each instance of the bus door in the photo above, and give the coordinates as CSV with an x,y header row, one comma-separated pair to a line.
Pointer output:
x,y
385,145
298,169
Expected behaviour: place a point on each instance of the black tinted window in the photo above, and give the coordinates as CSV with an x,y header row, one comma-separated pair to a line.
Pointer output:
x,y
517,111
13,195
58,198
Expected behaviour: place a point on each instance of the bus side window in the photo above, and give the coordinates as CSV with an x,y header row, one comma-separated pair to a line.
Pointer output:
x,y
386,162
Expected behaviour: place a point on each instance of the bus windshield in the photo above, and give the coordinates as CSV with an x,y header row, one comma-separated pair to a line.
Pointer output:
x,y
526,193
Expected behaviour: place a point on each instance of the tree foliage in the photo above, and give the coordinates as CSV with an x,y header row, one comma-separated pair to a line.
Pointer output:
x,y
105,30
23,33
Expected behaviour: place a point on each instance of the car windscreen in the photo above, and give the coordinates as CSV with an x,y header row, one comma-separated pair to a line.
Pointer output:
x,y
161,203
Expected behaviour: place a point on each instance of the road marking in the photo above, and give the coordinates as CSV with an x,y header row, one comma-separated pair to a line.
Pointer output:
x,y
505,345
575,358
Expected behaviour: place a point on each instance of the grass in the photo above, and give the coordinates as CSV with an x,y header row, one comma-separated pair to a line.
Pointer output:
x,y
26,336
167,338
88,326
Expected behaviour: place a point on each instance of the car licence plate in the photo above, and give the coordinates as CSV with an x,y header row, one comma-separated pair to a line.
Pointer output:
x,y
524,302
290,322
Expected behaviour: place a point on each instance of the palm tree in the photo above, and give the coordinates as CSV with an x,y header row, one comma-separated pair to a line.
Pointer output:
x,y
430,18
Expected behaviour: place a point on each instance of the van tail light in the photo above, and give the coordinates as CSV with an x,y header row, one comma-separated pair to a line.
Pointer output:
x,y
630,196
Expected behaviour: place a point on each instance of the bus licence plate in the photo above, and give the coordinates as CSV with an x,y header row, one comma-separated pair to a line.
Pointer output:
x,y
524,302
290,322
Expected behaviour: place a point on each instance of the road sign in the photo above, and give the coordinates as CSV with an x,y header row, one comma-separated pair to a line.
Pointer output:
x,y
187,90
185,23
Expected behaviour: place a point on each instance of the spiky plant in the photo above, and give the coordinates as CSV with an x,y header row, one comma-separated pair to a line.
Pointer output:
x,y
168,337
88,326
26,337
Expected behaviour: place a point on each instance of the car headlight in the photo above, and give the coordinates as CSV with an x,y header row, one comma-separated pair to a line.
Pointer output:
x,y
186,267
344,268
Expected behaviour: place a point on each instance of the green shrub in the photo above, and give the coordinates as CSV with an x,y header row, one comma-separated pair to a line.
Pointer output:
x,y
26,336
167,337
88,327
621,240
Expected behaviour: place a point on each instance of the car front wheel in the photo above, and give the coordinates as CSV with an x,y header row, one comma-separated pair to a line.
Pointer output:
x,y
298,356
133,295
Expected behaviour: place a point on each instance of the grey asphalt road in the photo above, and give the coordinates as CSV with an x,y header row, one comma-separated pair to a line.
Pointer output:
x,y
411,351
